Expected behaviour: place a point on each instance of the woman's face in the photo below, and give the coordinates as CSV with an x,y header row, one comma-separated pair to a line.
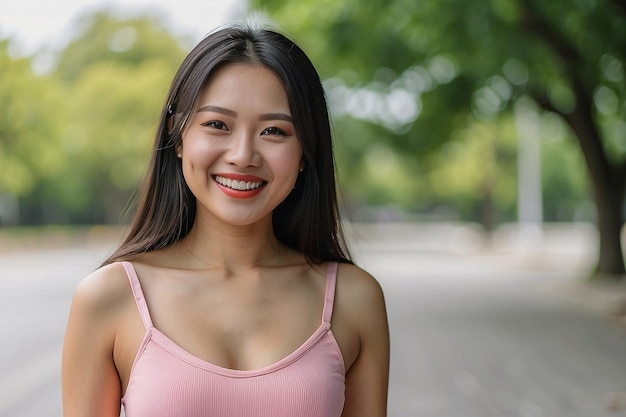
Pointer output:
x,y
240,153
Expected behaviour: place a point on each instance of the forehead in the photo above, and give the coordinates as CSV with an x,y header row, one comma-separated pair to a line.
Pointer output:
x,y
243,81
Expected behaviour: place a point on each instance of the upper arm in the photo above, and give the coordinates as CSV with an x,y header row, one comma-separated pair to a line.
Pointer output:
x,y
90,383
367,380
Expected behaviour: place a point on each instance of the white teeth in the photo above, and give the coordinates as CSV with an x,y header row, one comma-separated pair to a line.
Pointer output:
x,y
238,185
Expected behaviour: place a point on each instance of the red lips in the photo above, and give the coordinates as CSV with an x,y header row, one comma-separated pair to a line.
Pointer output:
x,y
229,184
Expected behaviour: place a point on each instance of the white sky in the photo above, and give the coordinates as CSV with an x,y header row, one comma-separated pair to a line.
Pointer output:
x,y
36,24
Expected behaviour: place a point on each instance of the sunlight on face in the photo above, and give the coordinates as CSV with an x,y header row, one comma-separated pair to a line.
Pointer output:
x,y
240,153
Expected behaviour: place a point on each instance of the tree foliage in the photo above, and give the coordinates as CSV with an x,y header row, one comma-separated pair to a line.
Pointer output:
x,y
460,58
74,142
101,37
422,96
118,72
30,125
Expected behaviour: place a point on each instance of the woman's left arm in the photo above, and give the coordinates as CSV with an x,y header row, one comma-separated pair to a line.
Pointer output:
x,y
367,379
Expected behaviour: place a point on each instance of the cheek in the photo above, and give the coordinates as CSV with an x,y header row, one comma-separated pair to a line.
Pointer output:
x,y
191,143
198,151
198,156
289,160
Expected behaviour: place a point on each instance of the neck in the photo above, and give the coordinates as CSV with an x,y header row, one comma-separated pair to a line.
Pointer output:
x,y
231,247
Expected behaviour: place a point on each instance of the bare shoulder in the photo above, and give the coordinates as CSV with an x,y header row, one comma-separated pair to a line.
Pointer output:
x,y
362,332
101,302
98,307
358,285
360,294
105,290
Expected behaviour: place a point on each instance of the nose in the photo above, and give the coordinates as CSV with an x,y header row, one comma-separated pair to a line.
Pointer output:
x,y
242,151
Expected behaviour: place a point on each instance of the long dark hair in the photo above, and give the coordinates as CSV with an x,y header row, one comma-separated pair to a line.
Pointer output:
x,y
308,219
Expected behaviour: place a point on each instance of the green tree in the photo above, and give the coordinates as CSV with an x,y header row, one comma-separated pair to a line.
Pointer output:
x,y
477,168
103,37
116,72
459,58
114,111
30,125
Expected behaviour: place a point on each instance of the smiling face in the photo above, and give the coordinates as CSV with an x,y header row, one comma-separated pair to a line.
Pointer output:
x,y
240,153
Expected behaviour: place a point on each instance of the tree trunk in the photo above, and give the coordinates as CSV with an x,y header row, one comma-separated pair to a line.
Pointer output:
x,y
610,206
487,212
608,183
607,178
608,186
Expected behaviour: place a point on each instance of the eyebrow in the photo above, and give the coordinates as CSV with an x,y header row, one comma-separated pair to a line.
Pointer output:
x,y
218,109
263,117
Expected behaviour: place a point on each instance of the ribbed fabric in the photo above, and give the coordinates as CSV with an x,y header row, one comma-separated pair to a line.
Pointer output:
x,y
168,381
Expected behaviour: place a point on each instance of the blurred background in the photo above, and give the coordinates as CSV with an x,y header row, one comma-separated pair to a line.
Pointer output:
x,y
481,155
488,112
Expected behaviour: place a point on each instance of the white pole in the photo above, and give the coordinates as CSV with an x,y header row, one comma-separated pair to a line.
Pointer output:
x,y
529,200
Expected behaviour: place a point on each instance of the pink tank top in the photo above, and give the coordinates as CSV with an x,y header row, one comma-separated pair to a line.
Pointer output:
x,y
168,381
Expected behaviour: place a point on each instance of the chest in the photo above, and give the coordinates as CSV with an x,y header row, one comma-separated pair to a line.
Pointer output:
x,y
235,324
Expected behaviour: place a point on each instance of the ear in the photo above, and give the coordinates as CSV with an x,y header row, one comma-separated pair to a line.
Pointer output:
x,y
170,124
302,165
179,148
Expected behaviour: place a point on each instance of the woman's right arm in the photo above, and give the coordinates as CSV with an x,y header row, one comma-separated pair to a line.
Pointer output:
x,y
90,383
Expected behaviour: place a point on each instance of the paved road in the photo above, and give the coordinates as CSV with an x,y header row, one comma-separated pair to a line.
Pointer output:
x,y
35,292
477,339
470,337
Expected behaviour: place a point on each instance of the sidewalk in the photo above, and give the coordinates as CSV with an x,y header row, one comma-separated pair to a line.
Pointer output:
x,y
605,298
566,252
570,250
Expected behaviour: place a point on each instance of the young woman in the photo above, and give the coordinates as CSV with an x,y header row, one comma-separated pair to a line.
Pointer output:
x,y
233,293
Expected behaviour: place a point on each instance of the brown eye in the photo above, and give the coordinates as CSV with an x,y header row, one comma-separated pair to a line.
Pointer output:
x,y
274,131
215,124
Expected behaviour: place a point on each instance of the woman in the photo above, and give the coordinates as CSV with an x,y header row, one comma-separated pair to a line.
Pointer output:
x,y
233,294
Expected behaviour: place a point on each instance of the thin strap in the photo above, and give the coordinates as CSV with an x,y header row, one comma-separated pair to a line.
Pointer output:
x,y
331,280
135,285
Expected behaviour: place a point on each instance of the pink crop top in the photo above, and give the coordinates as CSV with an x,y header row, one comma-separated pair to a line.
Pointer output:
x,y
168,381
